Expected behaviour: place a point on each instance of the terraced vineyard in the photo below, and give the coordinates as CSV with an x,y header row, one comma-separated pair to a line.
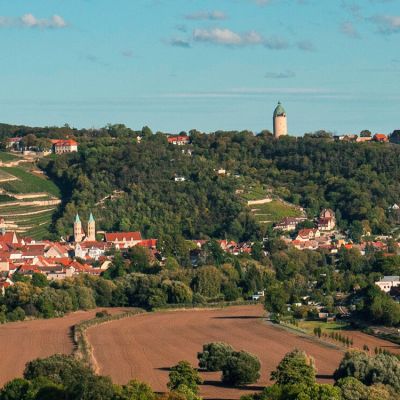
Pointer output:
x,y
28,200
266,207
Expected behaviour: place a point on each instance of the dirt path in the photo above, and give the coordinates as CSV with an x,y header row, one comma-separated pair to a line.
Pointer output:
x,y
146,346
24,341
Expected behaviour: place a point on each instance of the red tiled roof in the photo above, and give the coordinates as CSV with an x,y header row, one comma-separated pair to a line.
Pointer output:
x,y
8,237
173,139
62,142
148,243
123,236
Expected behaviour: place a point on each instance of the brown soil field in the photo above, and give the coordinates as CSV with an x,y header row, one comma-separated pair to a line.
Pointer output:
x,y
145,346
24,341
360,339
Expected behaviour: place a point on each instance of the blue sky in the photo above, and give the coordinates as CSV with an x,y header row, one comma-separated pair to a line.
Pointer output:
x,y
206,64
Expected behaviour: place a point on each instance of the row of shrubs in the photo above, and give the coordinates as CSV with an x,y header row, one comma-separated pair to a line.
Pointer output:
x,y
83,349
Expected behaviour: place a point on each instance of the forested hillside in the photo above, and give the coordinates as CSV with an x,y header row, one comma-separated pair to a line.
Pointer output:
x,y
359,181
131,185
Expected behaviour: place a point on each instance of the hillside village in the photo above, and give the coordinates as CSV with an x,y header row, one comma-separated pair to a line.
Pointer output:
x,y
90,252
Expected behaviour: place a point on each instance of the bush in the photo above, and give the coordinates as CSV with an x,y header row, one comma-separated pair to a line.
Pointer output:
x,y
184,374
241,368
214,356
102,314
17,315
380,368
138,391
294,369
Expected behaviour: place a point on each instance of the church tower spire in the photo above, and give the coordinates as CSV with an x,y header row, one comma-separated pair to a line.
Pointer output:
x,y
78,234
91,230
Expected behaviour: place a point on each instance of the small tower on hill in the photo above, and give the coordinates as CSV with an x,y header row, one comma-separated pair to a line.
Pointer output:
x,y
91,229
78,234
280,121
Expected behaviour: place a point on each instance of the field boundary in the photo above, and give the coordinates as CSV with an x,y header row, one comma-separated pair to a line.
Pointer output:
x,y
301,333
191,306
83,350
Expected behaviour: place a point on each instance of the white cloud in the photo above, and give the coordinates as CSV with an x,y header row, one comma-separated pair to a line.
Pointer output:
x,y
218,35
30,21
387,23
207,15
228,37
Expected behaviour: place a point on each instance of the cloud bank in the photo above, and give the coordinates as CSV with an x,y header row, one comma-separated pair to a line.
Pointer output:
x,y
30,21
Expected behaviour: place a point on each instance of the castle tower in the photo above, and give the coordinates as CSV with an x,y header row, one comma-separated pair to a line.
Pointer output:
x,y
78,234
91,229
280,121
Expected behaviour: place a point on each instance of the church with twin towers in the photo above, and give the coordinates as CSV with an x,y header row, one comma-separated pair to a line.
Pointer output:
x,y
79,234
280,121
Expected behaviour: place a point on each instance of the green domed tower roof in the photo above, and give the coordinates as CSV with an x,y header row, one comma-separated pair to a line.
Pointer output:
x,y
279,110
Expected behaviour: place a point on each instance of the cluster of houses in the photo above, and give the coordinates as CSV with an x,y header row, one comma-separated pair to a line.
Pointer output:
x,y
323,235
83,254
86,252
378,137
58,146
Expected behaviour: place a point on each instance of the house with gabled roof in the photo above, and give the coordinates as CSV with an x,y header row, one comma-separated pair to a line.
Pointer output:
x,y
123,240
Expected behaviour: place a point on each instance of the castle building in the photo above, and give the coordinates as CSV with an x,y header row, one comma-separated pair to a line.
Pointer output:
x,y
78,233
280,121
91,229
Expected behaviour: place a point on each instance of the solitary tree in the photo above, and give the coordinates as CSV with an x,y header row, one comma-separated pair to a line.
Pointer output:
x,y
295,368
184,374
241,368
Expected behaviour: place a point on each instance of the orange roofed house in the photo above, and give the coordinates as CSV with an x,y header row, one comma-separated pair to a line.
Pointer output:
x,y
123,240
61,146
179,140
380,137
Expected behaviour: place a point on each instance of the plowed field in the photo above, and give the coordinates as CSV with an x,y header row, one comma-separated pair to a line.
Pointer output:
x,y
146,346
24,341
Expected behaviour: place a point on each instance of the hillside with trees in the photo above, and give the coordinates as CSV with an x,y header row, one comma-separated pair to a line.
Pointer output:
x,y
359,181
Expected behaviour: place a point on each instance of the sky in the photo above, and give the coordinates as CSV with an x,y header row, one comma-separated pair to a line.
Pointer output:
x,y
177,65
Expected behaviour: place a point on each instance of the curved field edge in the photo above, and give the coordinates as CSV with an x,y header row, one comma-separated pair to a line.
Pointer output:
x,y
83,350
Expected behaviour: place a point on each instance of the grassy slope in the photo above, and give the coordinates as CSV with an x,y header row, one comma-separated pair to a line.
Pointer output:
x,y
6,157
274,211
28,183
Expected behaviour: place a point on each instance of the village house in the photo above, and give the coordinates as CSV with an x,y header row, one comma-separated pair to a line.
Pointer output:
x,y
380,137
327,220
289,224
388,282
61,146
91,250
14,143
179,140
123,240
308,234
